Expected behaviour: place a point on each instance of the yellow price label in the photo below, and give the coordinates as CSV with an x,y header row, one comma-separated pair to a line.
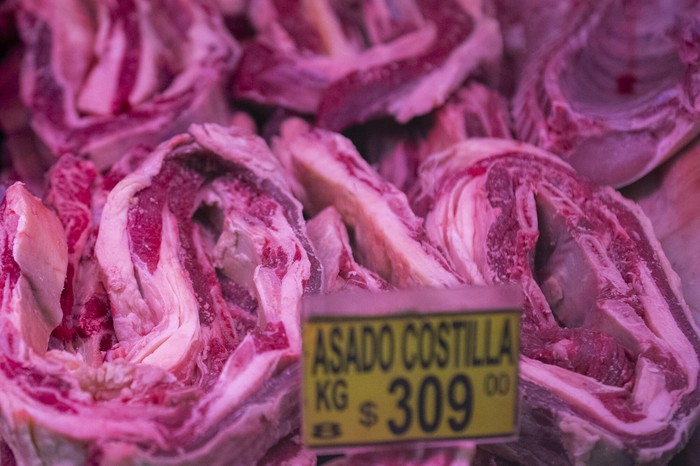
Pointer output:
x,y
410,377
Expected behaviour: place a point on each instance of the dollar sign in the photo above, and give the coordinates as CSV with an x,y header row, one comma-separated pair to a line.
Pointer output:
x,y
368,414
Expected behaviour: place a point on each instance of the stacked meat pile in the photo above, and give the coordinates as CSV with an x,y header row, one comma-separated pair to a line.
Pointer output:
x,y
178,174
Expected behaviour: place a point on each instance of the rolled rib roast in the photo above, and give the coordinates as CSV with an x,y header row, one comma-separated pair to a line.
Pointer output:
x,y
174,183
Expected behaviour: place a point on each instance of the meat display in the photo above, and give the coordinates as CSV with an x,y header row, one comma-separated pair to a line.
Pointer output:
x,y
347,63
609,362
102,77
176,177
330,239
473,111
602,303
86,326
202,290
617,88
676,183
326,169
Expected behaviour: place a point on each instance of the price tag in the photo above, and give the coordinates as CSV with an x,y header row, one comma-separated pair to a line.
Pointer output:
x,y
410,366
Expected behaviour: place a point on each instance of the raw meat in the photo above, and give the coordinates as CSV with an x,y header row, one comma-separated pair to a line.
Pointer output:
x,y
676,184
253,233
610,355
616,92
24,157
86,326
349,63
151,289
525,27
326,170
389,239
101,77
203,289
473,111
34,260
340,271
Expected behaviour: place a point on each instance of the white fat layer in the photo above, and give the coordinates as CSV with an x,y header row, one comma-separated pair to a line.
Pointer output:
x,y
583,439
342,56
676,228
460,210
41,253
405,46
114,257
97,93
147,75
663,325
440,165
329,238
155,316
384,240
579,391
242,147
109,380
250,370
73,38
659,112
279,300
22,414
172,304
650,395
483,47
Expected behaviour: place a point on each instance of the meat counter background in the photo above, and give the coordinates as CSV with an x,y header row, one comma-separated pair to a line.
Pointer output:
x,y
155,248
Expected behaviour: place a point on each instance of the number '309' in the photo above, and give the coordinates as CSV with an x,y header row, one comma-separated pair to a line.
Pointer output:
x,y
430,403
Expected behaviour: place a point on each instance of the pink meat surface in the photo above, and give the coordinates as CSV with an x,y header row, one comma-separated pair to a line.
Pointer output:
x,y
473,111
609,366
349,63
615,92
155,251
100,78
325,170
200,305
